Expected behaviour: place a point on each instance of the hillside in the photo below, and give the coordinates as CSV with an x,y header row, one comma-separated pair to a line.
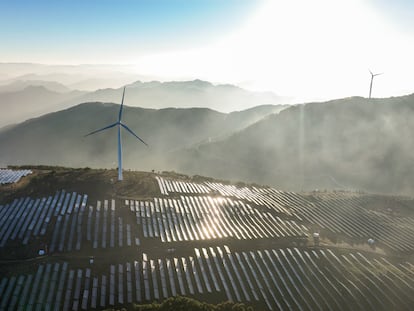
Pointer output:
x,y
352,143
78,239
58,138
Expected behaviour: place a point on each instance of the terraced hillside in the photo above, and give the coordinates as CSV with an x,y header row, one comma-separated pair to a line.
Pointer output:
x,y
77,240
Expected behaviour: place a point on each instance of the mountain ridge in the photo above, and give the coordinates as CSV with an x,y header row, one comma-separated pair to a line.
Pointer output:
x,y
193,93
28,101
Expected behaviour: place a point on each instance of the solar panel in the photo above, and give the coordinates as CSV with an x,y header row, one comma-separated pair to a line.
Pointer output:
x,y
94,298
25,292
8,176
60,288
7,293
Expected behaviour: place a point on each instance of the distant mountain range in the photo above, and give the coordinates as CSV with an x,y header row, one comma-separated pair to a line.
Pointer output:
x,y
22,99
81,77
19,85
187,94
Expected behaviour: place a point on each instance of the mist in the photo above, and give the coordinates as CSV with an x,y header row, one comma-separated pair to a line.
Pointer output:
x,y
348,144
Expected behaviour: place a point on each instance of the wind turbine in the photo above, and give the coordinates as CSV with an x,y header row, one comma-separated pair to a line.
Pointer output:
x,y
120,125
372,79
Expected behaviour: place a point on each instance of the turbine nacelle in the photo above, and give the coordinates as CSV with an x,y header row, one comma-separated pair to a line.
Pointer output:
x,y
375,74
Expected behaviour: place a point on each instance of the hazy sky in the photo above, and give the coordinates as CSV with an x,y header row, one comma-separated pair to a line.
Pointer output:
x,y
317,49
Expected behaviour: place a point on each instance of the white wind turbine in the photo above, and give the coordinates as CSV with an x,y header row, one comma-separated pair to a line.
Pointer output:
x,y
119,124
372,79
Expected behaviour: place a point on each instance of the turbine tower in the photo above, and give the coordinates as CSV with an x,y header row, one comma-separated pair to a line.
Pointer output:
x,y
372,79
120,125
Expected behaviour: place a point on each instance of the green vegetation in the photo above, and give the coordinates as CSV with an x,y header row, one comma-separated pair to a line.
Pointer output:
x,y
184,304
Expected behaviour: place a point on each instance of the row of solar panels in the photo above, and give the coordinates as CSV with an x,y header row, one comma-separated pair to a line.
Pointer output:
x,y
169,186
99,235
8,176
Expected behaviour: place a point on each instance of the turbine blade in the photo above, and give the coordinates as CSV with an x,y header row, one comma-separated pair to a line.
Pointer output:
x,y
370,72
122,106
377,74
129,130
102,129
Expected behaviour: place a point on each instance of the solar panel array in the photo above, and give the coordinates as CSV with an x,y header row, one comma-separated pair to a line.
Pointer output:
x,y
345,215
248,244
26,218
268,213
339,213
276,279
8,176
64,223
195,218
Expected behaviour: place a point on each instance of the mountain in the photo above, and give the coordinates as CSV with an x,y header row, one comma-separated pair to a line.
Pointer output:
x,y
19,85
58,138
186,94
24,99
82,81
81,77
32,101
352,143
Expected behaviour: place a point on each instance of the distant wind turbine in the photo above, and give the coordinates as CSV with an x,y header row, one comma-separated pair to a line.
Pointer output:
x,y
372,79
120,124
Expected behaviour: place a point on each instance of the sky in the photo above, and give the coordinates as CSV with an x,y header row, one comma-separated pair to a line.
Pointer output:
x,y
311,50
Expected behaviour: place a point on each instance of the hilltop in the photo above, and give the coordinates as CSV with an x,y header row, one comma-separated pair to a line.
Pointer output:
x,y
97,183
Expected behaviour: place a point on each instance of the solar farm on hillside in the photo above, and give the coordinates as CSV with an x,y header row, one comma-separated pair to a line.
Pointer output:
x,y
209,240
